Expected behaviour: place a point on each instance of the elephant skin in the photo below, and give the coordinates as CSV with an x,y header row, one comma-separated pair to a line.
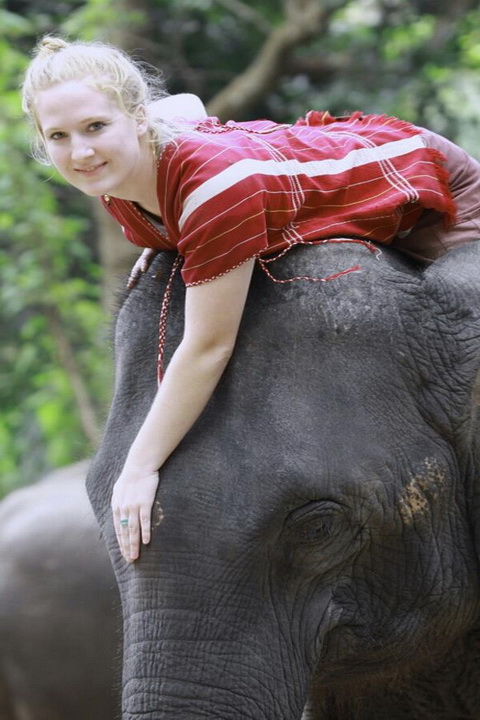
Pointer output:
x,y
315,543
60,621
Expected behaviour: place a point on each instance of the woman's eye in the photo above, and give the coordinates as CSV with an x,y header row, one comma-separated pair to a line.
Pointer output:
x,y
93,127
57,136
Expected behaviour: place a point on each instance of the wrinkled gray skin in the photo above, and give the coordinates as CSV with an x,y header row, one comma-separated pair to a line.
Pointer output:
x,y
59,609
318,554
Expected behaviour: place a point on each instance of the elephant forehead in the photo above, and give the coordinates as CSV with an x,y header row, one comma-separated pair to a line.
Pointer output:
x,y
275,473
282,317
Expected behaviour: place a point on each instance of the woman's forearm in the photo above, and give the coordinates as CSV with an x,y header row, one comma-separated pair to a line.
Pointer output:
x,y
213,312
187,386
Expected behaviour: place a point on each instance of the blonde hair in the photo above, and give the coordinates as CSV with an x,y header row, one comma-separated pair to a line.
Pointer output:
x,y
108,69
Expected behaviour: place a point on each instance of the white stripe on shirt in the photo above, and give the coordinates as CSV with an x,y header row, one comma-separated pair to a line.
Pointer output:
x,y
312,168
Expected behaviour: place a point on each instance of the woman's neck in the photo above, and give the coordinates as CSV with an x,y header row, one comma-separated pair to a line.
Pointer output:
x,y
156,215
146,187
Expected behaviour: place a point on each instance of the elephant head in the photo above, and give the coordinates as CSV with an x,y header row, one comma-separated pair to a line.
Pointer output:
x,y
320,519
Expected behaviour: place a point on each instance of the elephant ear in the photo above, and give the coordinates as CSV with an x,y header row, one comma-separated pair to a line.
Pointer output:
x,y
453,283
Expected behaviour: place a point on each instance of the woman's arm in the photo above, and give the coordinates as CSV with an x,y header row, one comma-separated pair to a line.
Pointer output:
x,y
213,311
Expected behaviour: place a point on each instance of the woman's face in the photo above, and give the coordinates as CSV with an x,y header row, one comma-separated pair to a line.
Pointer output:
x,y
92,143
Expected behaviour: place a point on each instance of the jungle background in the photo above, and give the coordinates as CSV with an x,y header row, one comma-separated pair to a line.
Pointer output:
x,y
63,262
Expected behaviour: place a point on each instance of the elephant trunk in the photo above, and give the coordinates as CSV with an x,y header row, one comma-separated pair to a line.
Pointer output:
x,y
209,630
198,668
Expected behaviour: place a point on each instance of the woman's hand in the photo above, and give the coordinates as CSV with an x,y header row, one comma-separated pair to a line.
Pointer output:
x,y
141,266
132,501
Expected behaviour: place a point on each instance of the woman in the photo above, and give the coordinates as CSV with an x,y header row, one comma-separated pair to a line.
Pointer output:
x,y
229,195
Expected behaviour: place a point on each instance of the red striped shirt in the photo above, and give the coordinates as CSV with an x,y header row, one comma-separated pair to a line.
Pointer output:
x,y
228,193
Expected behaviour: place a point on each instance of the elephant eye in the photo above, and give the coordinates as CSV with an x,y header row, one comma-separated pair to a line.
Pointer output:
x,y
315,522
314,532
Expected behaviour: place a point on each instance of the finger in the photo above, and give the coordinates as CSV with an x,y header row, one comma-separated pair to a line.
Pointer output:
x,y
121,523
145,525
118,535
118,529
133,541
146,260
133,278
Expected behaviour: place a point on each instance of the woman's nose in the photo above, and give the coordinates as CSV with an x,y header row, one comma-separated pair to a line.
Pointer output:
x,y
81,148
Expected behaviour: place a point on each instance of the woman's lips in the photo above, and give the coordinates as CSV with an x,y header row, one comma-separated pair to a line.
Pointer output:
x,y
91,169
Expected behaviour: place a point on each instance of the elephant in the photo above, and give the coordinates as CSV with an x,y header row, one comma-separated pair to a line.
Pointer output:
x,y
60,620
316,533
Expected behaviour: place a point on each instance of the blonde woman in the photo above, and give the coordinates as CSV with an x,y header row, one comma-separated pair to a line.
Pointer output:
x,y
225,196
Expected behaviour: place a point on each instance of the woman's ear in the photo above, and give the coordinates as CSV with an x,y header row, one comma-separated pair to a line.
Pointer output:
x,y
141,120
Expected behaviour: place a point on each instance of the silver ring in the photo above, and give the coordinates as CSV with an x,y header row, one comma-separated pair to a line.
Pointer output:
x,y
124,522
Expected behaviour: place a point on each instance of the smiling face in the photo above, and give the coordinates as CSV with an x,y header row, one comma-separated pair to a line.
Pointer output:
x,y
92,143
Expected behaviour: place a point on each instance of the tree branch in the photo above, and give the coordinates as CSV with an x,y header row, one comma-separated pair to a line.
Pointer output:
x,y
66,354
304,19
247,14
317,67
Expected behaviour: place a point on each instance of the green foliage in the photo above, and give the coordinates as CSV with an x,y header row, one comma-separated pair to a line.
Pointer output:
x,y
49,300
416,59
406,39
14,25
394,58
469,40
201,45
102,20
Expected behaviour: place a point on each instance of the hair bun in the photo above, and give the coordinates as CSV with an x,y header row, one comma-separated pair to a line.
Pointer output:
x,y
50,44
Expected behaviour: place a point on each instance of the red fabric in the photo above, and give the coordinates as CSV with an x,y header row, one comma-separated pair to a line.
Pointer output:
x,y
231,192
